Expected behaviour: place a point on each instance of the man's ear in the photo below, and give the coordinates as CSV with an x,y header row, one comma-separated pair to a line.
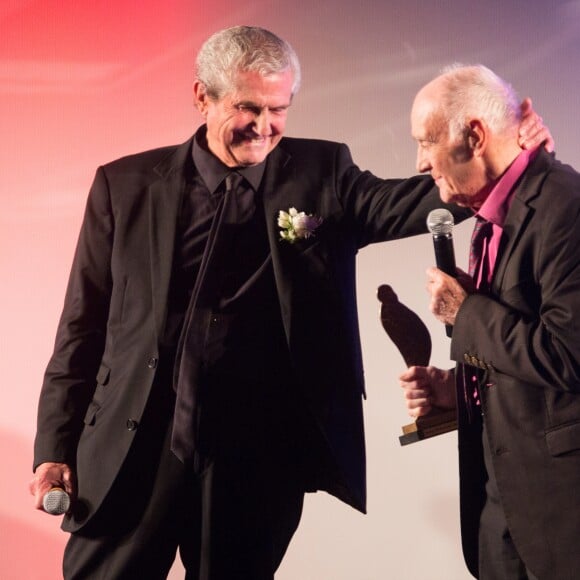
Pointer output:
x,y
477,137
200,97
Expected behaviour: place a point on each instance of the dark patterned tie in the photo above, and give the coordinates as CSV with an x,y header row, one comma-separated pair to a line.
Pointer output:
x,y
481,231
477,270
189,350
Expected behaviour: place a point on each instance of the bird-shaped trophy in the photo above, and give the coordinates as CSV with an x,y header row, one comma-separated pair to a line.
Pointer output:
x,y
412,338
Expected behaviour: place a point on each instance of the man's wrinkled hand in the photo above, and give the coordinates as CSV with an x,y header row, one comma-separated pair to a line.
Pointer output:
x,y
533,132
447,295
427,387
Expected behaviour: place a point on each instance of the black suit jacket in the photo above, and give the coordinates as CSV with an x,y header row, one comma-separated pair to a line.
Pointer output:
x,y
525,337
107,349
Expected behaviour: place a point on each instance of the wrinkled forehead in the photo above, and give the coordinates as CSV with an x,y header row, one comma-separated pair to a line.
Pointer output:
x,y
426,116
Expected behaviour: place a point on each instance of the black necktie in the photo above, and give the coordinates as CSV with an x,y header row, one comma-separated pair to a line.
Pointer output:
x,y
232,210
240,207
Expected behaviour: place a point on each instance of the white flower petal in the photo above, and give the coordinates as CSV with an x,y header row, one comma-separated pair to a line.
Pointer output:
x,y
297,225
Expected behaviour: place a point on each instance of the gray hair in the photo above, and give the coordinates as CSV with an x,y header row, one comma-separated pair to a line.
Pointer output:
x,y
476,91
243,48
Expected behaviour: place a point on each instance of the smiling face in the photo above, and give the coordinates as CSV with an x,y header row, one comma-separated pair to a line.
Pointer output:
x,y
454,163
247,123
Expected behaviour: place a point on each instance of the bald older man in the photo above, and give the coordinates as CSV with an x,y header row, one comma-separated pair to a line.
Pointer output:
x,y
516,332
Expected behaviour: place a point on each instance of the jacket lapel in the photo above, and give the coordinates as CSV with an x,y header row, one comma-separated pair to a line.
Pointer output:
x,y
277,187
520,212
165,197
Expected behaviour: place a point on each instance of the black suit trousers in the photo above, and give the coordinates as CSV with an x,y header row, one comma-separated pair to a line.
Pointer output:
x,y
231,516
498,556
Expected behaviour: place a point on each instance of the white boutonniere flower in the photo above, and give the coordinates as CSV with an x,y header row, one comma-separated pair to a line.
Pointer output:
x,y
297,225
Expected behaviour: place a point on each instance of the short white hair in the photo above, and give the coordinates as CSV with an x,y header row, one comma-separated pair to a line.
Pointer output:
x,y
475,91
243,48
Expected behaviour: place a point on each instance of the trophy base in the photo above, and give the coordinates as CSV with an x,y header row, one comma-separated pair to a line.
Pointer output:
x,y
431,425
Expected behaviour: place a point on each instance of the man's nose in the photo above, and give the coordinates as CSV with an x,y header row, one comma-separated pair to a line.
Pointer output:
x,y
423,164
262,122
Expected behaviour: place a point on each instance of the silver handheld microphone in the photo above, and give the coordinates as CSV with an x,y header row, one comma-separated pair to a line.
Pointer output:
x,y
440,224
56,502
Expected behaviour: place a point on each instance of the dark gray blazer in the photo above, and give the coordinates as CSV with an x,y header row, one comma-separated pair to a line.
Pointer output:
x,y
526,338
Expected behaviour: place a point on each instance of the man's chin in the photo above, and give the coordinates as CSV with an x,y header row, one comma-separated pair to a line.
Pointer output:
x,y
247,159
446,197
254,152
452,199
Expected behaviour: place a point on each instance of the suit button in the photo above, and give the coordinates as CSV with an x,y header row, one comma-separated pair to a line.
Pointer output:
x,y
152,362
132,425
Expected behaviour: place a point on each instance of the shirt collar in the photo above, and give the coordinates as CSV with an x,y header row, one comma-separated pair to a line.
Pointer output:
x,y
213,171
494,209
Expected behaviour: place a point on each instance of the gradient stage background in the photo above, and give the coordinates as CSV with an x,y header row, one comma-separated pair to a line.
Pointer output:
x,y
82,83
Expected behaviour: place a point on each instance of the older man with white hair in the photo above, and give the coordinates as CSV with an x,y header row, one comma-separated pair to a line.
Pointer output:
x,y
516,333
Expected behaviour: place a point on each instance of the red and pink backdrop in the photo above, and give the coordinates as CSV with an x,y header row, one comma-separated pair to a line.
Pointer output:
x,y
83,82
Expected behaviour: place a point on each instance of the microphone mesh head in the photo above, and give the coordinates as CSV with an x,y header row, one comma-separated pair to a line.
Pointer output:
x,y
440,221
56,502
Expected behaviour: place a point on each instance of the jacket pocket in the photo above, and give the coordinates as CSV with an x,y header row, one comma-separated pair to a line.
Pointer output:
x,y
102,378
563,439
103,375
91,414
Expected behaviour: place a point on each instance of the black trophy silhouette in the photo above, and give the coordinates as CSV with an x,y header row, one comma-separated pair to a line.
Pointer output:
x,y
411,337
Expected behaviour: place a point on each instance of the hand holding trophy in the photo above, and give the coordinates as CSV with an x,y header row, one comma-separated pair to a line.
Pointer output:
x,y
411,337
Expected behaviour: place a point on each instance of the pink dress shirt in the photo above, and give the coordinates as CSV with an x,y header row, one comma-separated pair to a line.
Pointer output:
x,y
495,208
